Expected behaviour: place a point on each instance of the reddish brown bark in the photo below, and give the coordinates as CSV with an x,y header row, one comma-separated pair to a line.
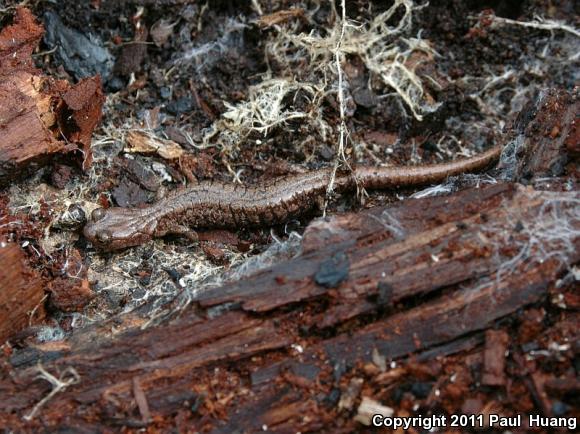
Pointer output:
x,y
40,117
21,292
496,345
471,234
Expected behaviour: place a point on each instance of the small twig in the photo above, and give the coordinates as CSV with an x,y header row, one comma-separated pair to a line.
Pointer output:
x,y
235,174
58,385
44,53
256,6
141,400
539,23
202,12
33,311
342,130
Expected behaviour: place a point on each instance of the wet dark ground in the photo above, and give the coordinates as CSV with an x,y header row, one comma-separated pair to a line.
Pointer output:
x,y
140,49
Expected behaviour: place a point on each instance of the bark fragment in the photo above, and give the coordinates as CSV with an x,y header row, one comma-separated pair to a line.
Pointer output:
x,y
40,117
496,343
21,292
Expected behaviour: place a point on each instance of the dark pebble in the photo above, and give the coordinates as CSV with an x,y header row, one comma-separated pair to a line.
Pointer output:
x,y
165,92
326,152
385,294
115,84
364,97
60,175
180,105
197,403
129,193
81,55
332,398
421,390
530,346
559,408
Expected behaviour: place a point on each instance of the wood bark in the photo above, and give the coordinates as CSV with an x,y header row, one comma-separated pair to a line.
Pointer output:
x,y
450,253
21,291
40,117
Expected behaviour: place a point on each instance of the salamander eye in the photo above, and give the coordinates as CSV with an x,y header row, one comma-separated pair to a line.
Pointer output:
x,y
103,236
97,214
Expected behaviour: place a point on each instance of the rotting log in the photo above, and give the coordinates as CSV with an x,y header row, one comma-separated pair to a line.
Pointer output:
x,y
21,292
463,255
40,117
545,136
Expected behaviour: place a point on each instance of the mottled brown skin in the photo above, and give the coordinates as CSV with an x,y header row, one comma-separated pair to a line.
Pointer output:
x,y
220,205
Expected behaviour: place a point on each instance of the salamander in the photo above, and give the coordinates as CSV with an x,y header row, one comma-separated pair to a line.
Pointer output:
x,y
222,205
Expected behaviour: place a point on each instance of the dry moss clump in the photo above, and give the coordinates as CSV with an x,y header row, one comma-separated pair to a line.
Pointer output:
x,y
306,61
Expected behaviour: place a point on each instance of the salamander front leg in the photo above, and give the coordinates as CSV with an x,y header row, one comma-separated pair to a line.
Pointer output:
x,y
188,233
175,228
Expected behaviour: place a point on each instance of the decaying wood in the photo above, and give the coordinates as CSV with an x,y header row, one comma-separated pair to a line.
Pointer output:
x,y
282,347
449,251
496,345
40,116
546,135
21,291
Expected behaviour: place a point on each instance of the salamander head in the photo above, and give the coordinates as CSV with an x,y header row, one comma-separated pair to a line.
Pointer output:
x,y
118,228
